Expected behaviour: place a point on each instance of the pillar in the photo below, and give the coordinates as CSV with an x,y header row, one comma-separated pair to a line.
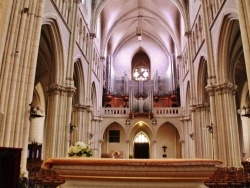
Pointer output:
x,y
57,131
227,126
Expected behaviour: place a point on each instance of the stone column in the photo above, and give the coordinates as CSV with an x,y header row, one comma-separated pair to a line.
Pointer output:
x,y
79,120
204,132
191,69
22,20
128,153
69,81
5,15
199,130
188,137
227,127
210,57
94,139
182,142
154,149
57,125
211,91
88,121
100,143
193,133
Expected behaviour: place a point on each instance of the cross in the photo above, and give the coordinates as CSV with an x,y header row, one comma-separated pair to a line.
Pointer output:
x,y
164,148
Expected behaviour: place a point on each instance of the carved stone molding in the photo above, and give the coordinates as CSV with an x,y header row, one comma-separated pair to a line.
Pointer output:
x,y
80,107
187,33
56,89
185,118
226,88
210,89
128,141
202,106
101,141
77,1
70,91
97,118
192,107
179,57
154,141
181,141
92,35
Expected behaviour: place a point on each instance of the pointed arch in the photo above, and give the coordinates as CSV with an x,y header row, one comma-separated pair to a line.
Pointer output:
x,y
94,98
229,41
79,82
51,44
169,136
202,81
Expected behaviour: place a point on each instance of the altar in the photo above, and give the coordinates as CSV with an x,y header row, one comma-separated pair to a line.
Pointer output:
x,y
132,173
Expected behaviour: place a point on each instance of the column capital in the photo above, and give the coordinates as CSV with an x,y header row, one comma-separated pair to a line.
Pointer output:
x,y
92,35
70,90
128,141
185,118
80,107
97,118
187,34
101,141
182,141
202,106
179,57
226,88
192,107
77,1
154,141
210,89
56,89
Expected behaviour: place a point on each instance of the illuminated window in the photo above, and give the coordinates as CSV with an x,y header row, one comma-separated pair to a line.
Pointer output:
x,y
140,73
141,138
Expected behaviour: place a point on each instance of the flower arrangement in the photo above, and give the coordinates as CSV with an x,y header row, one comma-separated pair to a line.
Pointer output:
x,y
79,149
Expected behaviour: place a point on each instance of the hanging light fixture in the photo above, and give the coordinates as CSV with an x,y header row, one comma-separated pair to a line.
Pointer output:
x,y
139,33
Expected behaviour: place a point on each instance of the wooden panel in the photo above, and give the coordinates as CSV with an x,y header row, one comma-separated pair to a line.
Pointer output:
x,y
10,159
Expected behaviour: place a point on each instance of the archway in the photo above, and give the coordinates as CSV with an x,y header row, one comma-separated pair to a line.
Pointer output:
x,y
168,145
114,142
141,146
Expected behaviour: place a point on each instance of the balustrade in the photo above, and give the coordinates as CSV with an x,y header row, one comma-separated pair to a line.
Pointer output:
x,y
171,111
115,111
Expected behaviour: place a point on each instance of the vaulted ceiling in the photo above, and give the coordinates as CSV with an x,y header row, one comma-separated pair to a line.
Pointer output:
x,y
161,22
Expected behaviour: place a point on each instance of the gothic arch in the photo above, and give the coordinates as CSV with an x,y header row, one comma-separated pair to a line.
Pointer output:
x,y
169,136
187,98
79,83
52,48
94,98
50,73
229,42
202,81
138,126
109,147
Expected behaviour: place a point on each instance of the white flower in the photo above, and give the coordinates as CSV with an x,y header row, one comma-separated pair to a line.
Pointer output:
x,y
81,145
79,148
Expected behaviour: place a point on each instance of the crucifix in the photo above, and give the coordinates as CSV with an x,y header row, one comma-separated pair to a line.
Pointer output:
x,y
164,148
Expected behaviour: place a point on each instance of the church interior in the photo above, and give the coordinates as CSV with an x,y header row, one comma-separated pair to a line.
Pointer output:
x,y
133,80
